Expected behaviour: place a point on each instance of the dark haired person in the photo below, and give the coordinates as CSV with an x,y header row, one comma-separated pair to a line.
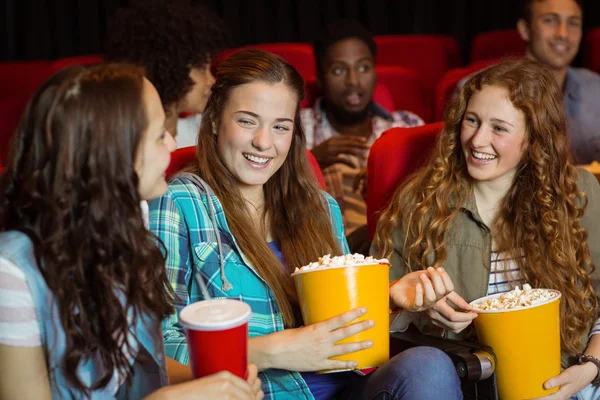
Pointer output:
x,y
174,41
83,288
342,125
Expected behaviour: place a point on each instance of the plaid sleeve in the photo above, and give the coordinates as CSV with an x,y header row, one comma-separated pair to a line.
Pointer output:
x,y
167,223
337,223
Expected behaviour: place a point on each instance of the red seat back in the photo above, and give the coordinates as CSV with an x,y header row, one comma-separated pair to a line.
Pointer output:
x,y
11,109
77,60
394,156
299,55
497,44
591,50
452,50
447,86
424,54
405,89
186,156
180,159
22,77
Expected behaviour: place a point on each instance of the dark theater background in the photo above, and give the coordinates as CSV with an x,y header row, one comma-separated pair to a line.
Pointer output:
x,y
50,29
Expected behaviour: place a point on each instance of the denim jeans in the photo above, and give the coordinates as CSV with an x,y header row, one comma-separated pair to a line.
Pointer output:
x,y
588,393
419,373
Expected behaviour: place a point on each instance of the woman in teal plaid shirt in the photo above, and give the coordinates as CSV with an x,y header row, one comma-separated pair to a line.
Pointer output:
x,y
247,214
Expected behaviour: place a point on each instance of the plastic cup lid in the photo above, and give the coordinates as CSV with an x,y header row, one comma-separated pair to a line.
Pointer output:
x,y
215,315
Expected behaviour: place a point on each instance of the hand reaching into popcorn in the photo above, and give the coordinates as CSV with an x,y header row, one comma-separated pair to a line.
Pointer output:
x,y
429,292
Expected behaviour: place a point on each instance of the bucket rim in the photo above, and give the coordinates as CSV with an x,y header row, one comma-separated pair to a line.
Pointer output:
x,y
299,272
521,308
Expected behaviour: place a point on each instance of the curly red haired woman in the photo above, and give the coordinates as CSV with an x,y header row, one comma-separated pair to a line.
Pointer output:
x,y
499,204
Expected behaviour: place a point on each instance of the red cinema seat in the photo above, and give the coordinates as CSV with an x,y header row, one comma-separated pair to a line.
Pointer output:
x,y
405,89
11,109
299,55
497,44
185,156
452,50
424,54
61,63
393,157
180,159
591,50
22,77
447,85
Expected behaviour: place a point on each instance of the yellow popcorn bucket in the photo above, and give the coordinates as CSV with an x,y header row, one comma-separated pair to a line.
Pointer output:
x,y
328,292
526,341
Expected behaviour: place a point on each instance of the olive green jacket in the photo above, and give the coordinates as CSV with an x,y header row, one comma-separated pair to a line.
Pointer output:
x,y
468,244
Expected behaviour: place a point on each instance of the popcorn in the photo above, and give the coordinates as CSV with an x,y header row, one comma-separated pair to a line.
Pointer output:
x,y
516,298
341,261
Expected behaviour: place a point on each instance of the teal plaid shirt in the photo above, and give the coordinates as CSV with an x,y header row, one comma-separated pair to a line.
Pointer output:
x,y
181,219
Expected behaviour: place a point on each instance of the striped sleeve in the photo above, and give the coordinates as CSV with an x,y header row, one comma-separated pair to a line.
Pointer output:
x,y
18,319
595,328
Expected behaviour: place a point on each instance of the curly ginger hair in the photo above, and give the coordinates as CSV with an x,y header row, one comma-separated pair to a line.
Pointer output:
x,y
540,214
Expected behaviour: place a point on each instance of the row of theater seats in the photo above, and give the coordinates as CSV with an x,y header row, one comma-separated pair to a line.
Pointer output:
x,y
415,72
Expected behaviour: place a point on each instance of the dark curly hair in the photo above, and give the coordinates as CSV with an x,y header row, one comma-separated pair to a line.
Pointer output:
x,y
167,38
71,186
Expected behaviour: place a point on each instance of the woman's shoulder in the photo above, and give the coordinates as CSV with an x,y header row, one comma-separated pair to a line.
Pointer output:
x,y
332,205
185,193
185,185
331,202
586,181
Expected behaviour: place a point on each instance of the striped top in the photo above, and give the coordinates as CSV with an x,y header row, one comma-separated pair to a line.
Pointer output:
x,y
504,276
504,273
18,319
19,325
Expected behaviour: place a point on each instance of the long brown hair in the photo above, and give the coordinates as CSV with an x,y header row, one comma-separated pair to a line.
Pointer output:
x,y
71,186
298,215
540,214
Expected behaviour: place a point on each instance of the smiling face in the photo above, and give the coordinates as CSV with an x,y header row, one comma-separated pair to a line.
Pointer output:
x,y
554,32
255,131
348,77
492,135
154,151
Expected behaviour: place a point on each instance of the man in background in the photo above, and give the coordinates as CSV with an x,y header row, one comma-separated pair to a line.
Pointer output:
x,y
345,121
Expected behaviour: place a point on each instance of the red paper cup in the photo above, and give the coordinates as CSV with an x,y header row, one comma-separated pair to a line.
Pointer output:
x,y
217,335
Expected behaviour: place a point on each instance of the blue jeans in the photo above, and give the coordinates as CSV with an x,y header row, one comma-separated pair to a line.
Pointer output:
x,y
417,373
588,393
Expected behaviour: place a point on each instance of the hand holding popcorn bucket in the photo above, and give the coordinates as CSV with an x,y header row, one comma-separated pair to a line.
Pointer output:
x,y
523,329
335,285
